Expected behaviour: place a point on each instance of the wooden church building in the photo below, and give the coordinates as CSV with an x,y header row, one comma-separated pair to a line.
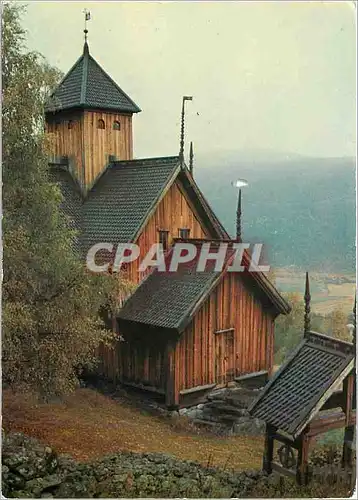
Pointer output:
x,y
184,331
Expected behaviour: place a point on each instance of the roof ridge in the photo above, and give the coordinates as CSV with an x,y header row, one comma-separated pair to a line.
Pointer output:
x,y
158,159
114,83
61,82
84,74
317,338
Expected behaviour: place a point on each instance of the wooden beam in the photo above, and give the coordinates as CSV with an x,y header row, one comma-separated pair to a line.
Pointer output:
x,y
226,330
268,450
282,470
171,394
247,376
294,443
197,388
302,460
348,396
347,455
329,421
144,387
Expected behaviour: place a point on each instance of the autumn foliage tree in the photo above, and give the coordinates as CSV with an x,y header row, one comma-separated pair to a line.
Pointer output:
x,y
336,324
50,303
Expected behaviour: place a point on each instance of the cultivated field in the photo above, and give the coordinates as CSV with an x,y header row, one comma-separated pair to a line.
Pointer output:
x,y
328,291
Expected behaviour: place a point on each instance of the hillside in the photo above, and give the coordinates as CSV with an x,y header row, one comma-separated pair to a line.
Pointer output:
x,y
302,209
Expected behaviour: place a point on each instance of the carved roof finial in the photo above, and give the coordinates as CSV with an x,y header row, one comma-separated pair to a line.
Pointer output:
x,y
354,332
191,158
238,217
307,298
182,129
85,31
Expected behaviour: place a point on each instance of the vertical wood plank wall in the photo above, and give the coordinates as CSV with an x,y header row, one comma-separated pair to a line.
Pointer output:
x,y
199,356
139,361
100,143
172,213
65,141
87,146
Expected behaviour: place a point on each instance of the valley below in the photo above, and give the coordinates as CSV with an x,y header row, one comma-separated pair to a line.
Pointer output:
x,y
328,291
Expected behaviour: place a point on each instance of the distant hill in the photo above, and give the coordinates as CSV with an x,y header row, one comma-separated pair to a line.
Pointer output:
x,y
302,209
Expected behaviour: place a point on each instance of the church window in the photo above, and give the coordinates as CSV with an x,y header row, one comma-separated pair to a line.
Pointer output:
x,y
101,124
184,233
164,239
116,125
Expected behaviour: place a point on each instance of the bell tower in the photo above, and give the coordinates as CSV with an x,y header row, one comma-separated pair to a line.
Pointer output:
x,y
89,120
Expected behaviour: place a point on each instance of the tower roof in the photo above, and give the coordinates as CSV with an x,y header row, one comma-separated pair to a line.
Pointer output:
x,y
87,85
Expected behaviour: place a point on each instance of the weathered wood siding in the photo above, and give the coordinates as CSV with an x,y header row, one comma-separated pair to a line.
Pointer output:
x,y
64,141
87,146
203,356
141,361
231,334
172,213
100,143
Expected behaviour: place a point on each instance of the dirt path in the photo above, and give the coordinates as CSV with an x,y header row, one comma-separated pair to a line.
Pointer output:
x,y
88,425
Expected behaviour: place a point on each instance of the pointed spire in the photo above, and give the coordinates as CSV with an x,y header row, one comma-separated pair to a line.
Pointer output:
x,y
354,332
182,128
307,298
238,217
191,158
85,49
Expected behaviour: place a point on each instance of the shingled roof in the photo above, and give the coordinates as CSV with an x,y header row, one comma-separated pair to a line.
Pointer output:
x,y
124,196
88,86
304,382
178,293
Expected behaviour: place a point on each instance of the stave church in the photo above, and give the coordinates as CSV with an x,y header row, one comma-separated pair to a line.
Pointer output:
x,y
182,333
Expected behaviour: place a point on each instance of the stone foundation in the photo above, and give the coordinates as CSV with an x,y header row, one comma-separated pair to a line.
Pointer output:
x,y
227,410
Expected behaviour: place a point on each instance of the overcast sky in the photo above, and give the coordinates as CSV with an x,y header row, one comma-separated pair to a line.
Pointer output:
x,y
277,76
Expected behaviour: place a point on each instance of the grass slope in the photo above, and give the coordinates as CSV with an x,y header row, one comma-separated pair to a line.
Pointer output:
x,y
88,425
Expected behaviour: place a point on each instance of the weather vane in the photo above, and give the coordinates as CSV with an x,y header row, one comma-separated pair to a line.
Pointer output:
x,y
87,18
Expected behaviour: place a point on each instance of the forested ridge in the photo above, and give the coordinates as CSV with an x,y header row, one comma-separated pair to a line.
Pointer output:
x,y
302,209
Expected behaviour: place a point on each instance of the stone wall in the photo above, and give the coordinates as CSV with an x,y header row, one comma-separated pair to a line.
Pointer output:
x,y
33,470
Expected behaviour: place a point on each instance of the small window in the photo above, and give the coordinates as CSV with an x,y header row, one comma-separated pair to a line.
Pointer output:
x,y
116,125
164,239
70,124
184,233
101,124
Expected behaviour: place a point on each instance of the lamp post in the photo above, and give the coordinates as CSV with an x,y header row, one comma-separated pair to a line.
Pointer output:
x,y
239,184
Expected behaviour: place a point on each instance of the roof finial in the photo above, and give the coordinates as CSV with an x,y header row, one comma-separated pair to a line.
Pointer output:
x,y
354,332
307,297
85,31
238,217
181,151
191,158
